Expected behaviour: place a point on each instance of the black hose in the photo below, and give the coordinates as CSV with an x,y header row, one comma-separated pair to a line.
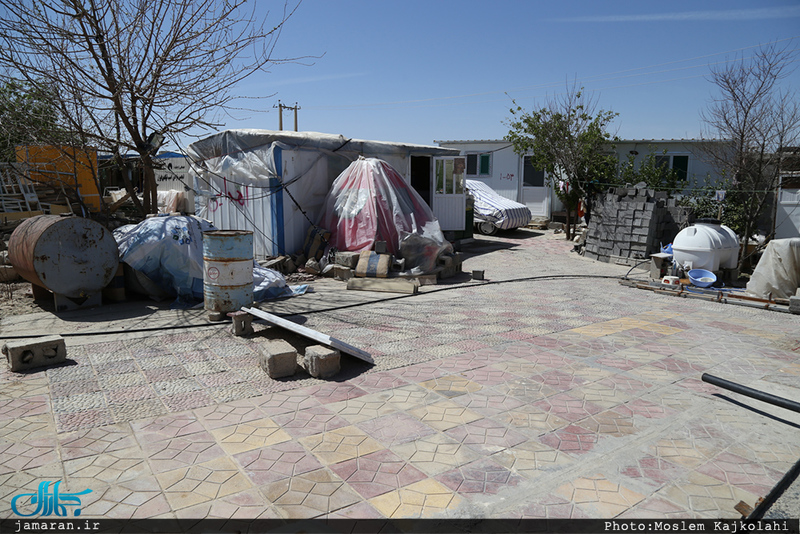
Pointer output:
x,y
753,393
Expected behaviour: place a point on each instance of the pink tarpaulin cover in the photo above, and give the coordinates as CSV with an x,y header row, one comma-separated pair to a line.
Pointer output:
x,y
371,202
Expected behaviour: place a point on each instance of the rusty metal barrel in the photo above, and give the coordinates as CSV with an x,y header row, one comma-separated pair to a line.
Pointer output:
x,y
70,256
227,270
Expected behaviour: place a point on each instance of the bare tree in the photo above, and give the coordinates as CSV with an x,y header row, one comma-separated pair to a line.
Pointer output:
x,y
758,120
127,73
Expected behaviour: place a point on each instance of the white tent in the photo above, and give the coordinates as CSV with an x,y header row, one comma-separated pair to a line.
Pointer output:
x,y
275,182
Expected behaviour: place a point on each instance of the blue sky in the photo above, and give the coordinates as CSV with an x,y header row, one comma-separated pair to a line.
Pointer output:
x,y
418,71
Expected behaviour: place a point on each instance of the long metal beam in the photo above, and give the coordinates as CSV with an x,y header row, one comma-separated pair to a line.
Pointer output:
x,y
314,335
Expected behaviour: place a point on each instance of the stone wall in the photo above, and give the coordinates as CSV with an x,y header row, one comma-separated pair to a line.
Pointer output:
x,y
632,223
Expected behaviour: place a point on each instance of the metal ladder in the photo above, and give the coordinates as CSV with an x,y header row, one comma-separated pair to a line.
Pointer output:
x,y
16,190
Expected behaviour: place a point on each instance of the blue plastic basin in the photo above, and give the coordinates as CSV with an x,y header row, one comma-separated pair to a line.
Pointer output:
x,y
701,277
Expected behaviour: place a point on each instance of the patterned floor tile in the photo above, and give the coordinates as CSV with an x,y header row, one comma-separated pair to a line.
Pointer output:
x,y
250,435
572,439
610,423
551,507
25,455
599,496
27,428
683,451
166,427
207,481
532,420
139,498
488,402
531,458
567,407
482,477
435,454
657,508
84,418
377,473
602,393
451,385
653,471
334,392
284,402
418,372
169,454
312,494
486,436
244,506
276,462
377,382
395,428
642,408
229,413
444,414
361,408
340,445
95,441
424,499
408,397
706,496
111,467
527,390
741,473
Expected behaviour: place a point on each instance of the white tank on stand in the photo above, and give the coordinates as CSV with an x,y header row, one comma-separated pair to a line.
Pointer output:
x,y
706,245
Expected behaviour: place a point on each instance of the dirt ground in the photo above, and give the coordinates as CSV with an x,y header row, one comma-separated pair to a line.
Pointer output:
x,y
16,298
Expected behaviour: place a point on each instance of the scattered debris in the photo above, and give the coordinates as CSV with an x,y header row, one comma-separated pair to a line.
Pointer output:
x,y
389,285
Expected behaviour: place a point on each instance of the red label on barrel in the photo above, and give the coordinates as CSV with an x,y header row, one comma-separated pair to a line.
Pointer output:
x,y
213,273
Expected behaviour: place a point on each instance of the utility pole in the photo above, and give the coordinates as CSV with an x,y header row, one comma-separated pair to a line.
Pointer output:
x,y
281,107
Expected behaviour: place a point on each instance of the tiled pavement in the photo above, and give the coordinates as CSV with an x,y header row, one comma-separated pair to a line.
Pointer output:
x,y
558,397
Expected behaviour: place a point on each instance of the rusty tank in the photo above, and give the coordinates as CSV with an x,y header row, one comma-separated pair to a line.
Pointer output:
x,y
70,256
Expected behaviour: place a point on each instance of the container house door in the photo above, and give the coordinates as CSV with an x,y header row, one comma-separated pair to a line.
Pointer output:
x,y
449,196
535,191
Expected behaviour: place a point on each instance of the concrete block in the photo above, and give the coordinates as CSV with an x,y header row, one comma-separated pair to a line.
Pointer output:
x,y
242,323
346,258
381,247
794,304
278,358
321,361
26,354
343,273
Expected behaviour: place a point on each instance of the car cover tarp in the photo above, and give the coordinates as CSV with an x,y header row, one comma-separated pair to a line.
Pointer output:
x,y
498,210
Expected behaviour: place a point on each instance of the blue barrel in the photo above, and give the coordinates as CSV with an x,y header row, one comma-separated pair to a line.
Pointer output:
x,y
227,270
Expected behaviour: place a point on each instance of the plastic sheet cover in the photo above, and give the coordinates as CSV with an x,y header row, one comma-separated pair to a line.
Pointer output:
x,y
371,202
169,251
498,210
778,270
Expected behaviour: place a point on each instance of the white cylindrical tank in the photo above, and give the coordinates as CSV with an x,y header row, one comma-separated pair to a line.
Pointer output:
x,y
706,245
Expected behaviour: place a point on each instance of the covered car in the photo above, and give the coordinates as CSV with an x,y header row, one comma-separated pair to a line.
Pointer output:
x,y
494,212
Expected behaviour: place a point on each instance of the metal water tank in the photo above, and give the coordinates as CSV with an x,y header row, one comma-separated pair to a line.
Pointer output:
x,y
706,245
227,270
70,256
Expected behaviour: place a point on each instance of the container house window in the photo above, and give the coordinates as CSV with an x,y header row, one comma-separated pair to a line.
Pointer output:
x,y
479,164
531,176
679,164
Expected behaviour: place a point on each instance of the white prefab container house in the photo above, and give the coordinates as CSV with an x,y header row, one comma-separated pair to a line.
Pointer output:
x,y
495,163
274,182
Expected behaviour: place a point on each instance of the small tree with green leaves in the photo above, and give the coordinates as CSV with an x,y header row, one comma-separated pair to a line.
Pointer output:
x,y
568,139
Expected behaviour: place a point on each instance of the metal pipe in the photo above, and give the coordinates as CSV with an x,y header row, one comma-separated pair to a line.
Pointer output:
x,y
754,393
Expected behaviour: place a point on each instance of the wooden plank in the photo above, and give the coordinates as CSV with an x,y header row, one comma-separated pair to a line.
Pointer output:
x,y
389,285
314,335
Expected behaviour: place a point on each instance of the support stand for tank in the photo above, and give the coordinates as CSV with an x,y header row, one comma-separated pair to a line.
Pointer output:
x,y
65,303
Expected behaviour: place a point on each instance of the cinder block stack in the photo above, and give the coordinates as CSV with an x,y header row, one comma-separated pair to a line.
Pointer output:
x,y
632,223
